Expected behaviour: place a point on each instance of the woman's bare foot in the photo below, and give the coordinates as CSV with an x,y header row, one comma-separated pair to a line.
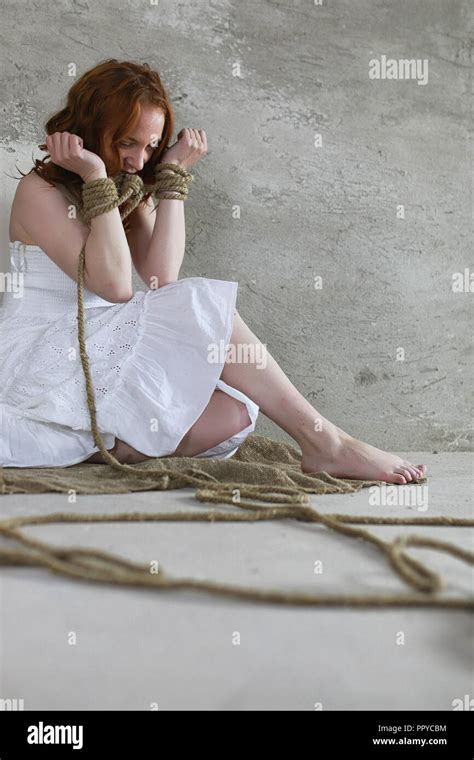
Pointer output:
x,y
346,457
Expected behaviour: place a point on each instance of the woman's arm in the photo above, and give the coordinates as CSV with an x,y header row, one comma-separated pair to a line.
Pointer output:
x,y
44,213
157,241
108,269
107,253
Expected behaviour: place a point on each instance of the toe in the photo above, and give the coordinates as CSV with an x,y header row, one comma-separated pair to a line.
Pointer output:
x,y
419,469
397,477
412,470
402,470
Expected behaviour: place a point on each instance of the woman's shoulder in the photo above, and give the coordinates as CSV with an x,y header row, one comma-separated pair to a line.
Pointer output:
x,y
25,189
34,196
34,181
29,185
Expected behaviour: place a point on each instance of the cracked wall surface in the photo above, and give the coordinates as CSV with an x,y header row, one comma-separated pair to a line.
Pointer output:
x,y
380,344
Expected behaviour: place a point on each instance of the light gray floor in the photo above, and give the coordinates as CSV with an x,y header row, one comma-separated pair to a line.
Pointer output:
x,y
137,649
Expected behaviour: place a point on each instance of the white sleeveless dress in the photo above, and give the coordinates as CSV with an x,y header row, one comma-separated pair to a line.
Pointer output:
x,y
155,362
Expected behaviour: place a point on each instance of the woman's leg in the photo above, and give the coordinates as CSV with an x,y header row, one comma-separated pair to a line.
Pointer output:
x,y
223,417
324,446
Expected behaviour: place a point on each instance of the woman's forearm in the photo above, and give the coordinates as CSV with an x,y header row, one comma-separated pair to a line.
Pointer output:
x,y
166,250
107,256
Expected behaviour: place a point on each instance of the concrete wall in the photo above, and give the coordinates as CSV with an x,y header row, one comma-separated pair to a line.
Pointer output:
x,y
306,210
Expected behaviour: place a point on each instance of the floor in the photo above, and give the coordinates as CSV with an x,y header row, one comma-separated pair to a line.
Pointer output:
x,y
72,645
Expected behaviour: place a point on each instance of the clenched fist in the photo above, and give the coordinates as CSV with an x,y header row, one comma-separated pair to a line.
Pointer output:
x,y
67,150
189,148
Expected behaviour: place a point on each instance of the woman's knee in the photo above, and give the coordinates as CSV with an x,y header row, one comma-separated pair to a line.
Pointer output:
x,y
243,416
224,417
236,414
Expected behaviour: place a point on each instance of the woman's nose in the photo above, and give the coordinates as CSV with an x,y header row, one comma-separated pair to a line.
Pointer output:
x,y
135,162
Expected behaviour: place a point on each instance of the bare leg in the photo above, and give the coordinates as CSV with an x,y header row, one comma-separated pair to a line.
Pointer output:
x,y
97,458
324,446
223,417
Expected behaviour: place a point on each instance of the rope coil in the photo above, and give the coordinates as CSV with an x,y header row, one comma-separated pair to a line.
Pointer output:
x,y
102,567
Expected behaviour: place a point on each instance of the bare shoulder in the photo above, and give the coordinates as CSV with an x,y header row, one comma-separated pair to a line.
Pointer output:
x,y
37,204
32,182
25,189
23,205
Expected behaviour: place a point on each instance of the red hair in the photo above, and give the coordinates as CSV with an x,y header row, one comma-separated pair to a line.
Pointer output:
x,y
104,104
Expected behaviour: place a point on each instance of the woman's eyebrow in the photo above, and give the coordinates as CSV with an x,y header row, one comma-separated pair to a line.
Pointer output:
x,y
132,139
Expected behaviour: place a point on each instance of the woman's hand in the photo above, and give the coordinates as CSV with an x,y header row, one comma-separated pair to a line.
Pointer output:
x,y
189,148
67,150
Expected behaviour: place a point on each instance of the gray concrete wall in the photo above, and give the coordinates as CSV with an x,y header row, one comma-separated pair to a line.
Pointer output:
x,y
306,211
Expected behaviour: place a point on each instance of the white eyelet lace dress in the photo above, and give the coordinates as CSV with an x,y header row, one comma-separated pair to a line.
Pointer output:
x,y
149,362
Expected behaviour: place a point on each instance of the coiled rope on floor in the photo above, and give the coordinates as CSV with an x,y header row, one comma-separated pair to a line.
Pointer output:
x,y
103,567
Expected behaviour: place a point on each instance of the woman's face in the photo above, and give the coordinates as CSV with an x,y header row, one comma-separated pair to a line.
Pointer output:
x,y
136,148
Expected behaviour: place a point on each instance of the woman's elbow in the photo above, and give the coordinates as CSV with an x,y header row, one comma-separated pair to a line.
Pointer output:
x,y
122,297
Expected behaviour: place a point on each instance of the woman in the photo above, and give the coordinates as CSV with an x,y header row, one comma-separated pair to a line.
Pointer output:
x,y
157,391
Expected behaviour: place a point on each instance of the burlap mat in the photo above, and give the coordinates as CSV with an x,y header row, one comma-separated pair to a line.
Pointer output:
x,y
259,461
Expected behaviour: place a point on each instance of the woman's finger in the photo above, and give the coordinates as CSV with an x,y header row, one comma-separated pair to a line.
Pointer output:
x,y
55,143
192,134
75,142
199,139
61,145
191,137
204,139
71,140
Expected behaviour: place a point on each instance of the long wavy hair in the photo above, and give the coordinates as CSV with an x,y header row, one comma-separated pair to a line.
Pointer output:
x,y
104,105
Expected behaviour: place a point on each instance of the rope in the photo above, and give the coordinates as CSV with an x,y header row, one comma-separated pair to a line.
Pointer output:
x,y
98,566
95,565
98,196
